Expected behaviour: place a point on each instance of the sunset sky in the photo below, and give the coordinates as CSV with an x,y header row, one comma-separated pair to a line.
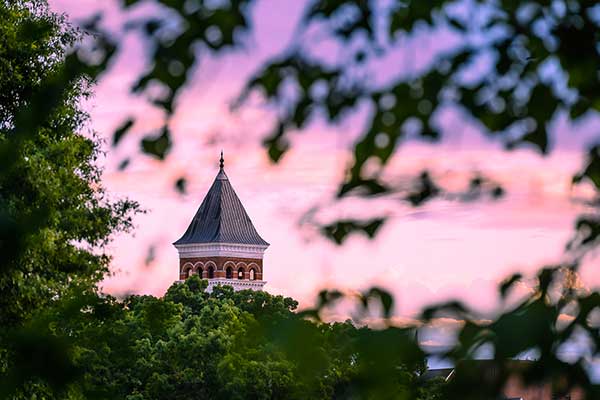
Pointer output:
x,y
444,249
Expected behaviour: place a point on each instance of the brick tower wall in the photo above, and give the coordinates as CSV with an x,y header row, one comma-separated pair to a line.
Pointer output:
x,y
193,265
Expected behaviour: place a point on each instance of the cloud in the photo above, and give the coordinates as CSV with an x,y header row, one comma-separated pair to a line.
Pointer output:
x,y
440,251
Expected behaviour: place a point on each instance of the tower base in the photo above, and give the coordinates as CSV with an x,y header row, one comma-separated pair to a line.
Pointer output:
x,y
237,284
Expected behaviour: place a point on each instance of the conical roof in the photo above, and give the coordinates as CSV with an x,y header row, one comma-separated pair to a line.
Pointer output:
x,y
221,218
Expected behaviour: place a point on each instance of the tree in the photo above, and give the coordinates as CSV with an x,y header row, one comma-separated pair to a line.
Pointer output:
x,y
222,345
55,218
514,100
54,213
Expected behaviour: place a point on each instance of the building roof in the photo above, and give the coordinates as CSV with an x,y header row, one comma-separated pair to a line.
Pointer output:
x,y
221,218
443,373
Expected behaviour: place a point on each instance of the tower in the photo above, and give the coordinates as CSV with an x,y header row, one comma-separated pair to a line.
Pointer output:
x,y
221,244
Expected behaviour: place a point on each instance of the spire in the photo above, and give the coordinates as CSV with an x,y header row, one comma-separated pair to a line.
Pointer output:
x,y
221,175
221,217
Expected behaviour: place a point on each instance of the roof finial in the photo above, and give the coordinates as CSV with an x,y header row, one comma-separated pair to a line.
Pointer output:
x,y
221,161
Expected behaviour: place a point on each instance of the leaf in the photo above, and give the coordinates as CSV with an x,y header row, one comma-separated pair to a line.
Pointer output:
x,y
358,16
365,187
43,355
124,164
453,308
541,107
122,130
386,299
497,192
425,189
469,338
545,279
150,255
129,3
327,297
269,79
181,185
508,283
157,146
152,25
406,14
276,145
592,168
456,23
339,230
587,234
535,323
383,359
310,313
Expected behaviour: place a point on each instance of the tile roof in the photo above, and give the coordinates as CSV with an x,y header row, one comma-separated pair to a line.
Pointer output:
x,y
221,218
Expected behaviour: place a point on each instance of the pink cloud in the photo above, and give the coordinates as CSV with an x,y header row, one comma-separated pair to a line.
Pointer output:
x,y
445,249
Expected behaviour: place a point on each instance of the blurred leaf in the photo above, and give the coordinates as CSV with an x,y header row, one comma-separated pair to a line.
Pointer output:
x,y
338,231
181,185
508,283
365,187
451,308
386,299
122,130
405,15
39,354
497,192
150,255
128,3
327,297
545,278
124,164
358,16
157,146
587,234
534,320
592,168
425,189
276,144
541,107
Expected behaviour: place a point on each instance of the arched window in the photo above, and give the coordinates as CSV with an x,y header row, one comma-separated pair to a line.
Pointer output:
x,y
188,272
229,273
211,272
252,274
241,273
199,272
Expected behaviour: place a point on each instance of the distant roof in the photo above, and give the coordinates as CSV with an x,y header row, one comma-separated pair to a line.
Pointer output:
x,y
221,218
443,373
483,366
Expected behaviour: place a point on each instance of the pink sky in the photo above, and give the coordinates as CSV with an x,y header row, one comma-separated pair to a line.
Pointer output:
x,y
423,255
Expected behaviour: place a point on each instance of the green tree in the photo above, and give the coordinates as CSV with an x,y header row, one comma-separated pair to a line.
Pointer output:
x,y
55,216
222,345
514,100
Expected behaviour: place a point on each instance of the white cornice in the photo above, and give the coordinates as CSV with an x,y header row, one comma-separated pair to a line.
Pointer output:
x,y
236,284
221,250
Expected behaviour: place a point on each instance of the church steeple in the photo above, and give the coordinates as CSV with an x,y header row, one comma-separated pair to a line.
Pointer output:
x,y
221,243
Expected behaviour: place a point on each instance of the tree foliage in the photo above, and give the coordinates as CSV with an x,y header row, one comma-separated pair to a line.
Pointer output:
x,y
542,63
54,214
190,344
223,345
